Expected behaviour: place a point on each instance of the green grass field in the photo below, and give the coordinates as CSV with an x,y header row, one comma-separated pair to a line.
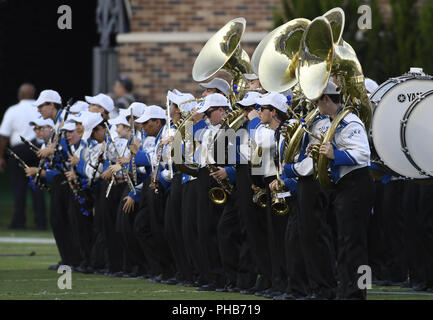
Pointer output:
x,y
25,276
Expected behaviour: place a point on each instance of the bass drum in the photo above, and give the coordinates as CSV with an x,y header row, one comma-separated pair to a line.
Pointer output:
x,y
390,103
417,133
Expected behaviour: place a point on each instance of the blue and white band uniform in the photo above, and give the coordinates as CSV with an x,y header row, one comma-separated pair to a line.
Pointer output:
x,y
265,138
303,165
351,147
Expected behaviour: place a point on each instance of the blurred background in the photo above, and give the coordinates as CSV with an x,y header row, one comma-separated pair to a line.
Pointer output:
x,y
155,43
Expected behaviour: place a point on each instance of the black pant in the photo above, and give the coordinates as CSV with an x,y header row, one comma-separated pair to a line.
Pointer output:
x,y
134,259
61,223
276,230
173,229
190,229
208,215
98,255
112,238
316,238
393,227
254,245
82,229
354,199
19,183
297,280
420,221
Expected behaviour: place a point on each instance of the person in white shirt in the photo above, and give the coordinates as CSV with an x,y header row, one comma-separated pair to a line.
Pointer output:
x,y
349,155
273,113
15,124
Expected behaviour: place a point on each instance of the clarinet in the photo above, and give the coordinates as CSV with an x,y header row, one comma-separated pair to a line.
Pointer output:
x,y
23,165
29,144
157,161
134,167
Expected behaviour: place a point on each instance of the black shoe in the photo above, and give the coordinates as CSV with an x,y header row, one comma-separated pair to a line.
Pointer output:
x,y
186,283
233,288
207,287
285,296
55,266
419,287
272,294
170,281
247,291
118,274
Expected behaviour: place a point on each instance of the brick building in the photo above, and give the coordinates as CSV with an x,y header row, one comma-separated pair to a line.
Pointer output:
x,y
167,35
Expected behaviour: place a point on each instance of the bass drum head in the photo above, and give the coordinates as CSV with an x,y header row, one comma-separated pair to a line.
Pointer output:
x,y
388,113
419,133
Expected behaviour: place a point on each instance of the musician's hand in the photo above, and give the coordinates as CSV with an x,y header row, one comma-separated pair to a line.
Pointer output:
x,y
106,175
2,164
220,174
255,188
129,204
253,114
123,160
70,175
134,148
119,178
273,185
73,160
46,152
309,147
31,171
327,150
167,140
115,168
153,185
196,117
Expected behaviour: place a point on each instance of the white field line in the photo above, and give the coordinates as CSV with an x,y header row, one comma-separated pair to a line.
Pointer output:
x,y
27,240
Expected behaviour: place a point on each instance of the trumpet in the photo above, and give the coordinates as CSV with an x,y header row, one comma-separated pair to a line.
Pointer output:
x,y
218,195
279,205
259,197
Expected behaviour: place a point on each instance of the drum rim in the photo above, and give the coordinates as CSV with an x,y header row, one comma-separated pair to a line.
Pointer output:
x,y
403,131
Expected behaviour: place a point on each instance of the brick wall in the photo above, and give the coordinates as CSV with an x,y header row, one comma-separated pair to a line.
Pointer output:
x,y
156,67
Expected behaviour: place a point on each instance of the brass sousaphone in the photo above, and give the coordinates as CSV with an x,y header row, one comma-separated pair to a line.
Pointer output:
x,y
224,52
322,53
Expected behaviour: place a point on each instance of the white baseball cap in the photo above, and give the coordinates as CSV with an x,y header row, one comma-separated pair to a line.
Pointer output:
x,y
152,112
40,122
331,88
79,117
119,120
251,76
250,99
217,83
79,106
48,96
102,100
69,126
180,98
274,99
91,120
213,100
370,85
137,109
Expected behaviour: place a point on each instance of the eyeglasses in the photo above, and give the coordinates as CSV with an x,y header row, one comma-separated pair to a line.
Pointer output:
x,y
263,108
36,128
209,111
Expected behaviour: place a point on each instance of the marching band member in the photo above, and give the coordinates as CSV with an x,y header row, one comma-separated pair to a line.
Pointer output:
x,y
349,154
273,111
311,232
151,215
